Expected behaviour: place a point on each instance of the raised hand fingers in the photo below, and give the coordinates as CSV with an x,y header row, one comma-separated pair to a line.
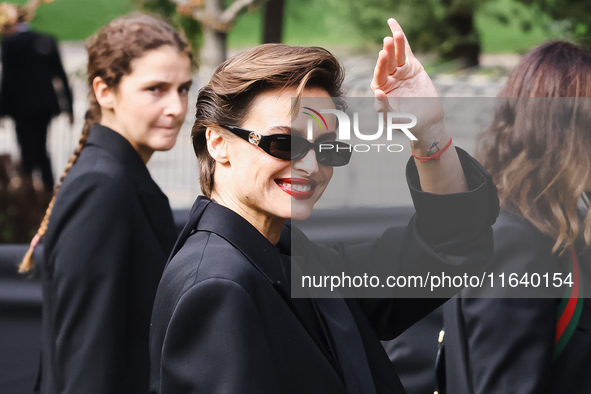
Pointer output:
x,y
394,55
381,101
400,46
395,47
380,73
394,25
390,49
400,41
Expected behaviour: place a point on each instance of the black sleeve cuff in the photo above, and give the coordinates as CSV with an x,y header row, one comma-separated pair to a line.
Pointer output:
x,y
441,216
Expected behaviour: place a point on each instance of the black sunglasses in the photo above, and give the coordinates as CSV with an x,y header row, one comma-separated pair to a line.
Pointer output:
x,y
289,147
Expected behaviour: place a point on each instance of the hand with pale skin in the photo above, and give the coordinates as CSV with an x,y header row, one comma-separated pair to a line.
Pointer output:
x,y
398,75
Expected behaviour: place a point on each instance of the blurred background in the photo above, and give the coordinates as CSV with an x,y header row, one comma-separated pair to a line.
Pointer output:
x,y
467,46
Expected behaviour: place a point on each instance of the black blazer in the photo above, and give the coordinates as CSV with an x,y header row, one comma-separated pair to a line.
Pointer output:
x,y
506,345
109,235
30,62
224,322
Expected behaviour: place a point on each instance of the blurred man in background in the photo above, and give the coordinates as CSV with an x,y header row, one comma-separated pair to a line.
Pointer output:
x,y
34,88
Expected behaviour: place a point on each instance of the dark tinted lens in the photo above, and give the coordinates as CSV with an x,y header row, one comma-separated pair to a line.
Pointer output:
x,y
288,147
299,147
333,153
280,146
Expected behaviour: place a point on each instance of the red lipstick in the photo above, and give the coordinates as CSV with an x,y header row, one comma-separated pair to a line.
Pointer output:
x,y
298,188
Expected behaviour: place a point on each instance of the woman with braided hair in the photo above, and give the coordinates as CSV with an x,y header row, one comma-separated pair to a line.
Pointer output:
x,y
109,228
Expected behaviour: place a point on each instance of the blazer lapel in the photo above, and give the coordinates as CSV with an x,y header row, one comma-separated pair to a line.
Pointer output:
x,y
344,335
154,201
348,345
267,259
307,312
157,210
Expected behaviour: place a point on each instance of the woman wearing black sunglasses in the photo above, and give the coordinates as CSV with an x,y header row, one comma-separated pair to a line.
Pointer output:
x,y
293,148
223,319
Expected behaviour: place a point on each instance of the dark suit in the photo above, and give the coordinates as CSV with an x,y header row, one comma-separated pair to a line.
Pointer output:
x,y
30,64
109,235
506,345
224,322
413,353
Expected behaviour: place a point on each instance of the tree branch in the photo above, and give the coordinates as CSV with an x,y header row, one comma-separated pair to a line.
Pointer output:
x,y
227,17
236,8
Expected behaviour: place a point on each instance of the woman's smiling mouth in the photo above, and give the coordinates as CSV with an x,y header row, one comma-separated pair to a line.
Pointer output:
x,y
298,188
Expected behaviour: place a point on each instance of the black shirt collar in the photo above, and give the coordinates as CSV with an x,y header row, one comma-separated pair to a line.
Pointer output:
x,y
114,143
245,237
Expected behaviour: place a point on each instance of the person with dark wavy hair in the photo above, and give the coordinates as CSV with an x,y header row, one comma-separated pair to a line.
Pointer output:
x,y
109,228
537,150
223,319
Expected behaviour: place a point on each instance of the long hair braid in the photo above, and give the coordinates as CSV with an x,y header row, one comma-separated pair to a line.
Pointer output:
x,y
92,116
110,53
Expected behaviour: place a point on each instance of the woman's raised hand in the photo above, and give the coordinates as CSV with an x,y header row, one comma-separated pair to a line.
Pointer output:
x,y
398,76
401,84
398,73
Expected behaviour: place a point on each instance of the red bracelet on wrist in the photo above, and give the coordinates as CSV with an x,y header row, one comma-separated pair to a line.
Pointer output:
x,y
435,156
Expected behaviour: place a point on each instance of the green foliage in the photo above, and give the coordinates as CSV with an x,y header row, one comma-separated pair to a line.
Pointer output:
x,y
76,19
425,22
247,30
443,26
574,14
306,22
502,25
510,26
167,9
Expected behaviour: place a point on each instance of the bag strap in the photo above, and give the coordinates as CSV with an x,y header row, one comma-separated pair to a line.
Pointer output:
x,y
570,307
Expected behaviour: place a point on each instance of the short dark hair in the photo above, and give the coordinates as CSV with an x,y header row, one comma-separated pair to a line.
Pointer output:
x,y
227,97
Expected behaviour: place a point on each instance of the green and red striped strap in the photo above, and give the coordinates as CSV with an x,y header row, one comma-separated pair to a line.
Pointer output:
x,y
569,309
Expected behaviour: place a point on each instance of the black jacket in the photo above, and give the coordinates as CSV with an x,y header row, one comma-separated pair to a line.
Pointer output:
x,y
224,322
506,345
30,63
109,235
